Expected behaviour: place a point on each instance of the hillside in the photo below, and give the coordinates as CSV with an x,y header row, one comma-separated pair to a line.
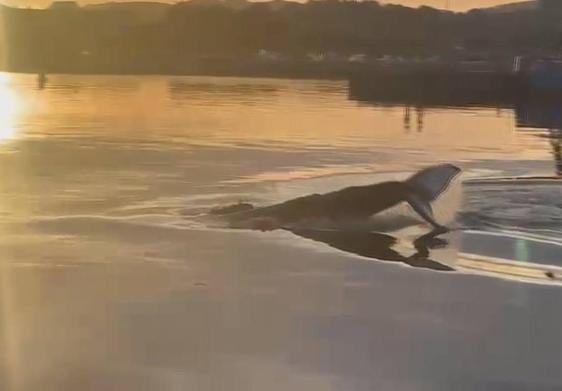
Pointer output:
x,y
514,7
198,35
142,12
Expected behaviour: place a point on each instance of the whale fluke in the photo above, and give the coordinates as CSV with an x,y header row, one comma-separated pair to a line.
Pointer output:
x,y
426,186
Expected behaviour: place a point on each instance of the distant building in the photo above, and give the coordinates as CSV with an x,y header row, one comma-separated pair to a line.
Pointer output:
x,y
357,58
64,5
269,55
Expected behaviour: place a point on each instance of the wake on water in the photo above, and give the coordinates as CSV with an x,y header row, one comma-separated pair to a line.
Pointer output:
x,y
533,209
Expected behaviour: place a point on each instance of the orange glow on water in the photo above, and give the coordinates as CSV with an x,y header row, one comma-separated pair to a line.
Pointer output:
x,y
11,106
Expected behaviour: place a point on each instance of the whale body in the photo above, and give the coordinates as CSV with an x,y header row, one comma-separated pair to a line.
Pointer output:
x,y
357,203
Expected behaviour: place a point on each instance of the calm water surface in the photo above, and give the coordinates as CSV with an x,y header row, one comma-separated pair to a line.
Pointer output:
x,y
109,283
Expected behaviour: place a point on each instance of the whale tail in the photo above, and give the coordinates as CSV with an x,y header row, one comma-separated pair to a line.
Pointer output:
x,y
426,186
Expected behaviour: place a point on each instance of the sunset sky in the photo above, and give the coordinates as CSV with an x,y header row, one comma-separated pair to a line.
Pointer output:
x,y
454,4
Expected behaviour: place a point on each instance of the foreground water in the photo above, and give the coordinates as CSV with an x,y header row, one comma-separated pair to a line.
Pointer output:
x,y
110,281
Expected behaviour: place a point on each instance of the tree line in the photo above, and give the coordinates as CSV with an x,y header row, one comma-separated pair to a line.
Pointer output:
x,y
189,33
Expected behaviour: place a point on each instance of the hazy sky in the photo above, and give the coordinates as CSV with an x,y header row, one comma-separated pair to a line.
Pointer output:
x,y
454,4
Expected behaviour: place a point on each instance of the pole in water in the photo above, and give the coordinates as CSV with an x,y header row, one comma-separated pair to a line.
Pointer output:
x,y
41,80
407,117
420,113
556,143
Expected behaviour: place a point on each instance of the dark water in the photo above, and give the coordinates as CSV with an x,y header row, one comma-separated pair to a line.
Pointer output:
x,y
108,280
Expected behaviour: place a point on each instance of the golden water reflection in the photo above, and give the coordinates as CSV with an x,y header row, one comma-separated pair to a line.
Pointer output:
x,y
11,106
270,113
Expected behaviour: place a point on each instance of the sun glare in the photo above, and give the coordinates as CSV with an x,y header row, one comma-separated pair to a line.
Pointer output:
x,y
10,108
4,79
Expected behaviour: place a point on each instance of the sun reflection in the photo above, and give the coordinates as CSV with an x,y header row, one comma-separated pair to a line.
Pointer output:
x,y
10,107
4,79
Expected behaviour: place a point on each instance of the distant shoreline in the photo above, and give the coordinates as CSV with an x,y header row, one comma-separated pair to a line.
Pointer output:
x,y
257,75
339,70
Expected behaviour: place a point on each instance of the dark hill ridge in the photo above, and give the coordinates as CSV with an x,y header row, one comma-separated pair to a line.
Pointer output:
x,y
514,7
128,5
278,37
140,11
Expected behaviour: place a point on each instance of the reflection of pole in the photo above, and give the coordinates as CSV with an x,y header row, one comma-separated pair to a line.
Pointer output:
x,y
41,80
556,142
407,117
420,113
